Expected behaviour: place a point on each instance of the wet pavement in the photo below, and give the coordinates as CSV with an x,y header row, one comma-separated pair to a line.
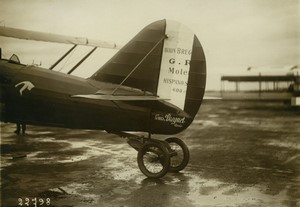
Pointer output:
x,y
241,154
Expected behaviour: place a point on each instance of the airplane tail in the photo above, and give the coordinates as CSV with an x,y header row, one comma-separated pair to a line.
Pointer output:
x,y
166,59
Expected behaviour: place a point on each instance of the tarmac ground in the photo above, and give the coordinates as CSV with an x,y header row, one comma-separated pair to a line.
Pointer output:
x,y
242,153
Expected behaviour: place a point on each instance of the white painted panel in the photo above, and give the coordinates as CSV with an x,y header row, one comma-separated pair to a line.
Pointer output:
x,y
175,65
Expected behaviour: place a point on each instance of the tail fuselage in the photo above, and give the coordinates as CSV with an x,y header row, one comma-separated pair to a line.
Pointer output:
x,y
38,96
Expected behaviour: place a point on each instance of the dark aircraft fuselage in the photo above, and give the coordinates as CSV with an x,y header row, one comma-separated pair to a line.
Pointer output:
x,y
39,96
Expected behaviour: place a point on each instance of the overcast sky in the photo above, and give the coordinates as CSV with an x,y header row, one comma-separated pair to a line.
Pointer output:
x,y
235,34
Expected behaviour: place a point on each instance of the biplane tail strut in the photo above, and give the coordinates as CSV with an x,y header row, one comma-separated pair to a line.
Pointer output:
x,y
165,59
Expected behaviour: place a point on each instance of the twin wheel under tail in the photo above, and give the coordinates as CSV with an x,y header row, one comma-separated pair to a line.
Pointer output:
x,y
154,84
157,157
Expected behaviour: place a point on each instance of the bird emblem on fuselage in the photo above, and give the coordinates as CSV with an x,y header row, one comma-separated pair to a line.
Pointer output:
x,y
26,85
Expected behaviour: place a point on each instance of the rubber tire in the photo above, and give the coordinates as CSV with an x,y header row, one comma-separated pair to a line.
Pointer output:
x,y
165,162
186,154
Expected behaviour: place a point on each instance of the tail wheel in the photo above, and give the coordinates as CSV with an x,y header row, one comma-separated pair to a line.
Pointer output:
x,y
153,160
180,154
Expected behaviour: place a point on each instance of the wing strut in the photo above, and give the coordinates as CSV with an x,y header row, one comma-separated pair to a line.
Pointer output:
x,y
83,59
164,37
60,59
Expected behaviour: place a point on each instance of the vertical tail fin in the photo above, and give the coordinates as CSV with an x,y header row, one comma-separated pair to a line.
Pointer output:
x,y
166,59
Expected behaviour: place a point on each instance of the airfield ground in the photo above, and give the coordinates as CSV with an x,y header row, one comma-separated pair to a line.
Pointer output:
x,y
242,154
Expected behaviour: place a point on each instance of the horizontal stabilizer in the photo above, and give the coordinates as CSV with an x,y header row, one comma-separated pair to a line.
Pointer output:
x,y
119,98
48,37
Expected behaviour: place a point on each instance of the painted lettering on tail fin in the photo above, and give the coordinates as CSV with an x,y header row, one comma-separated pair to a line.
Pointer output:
x,y
175,64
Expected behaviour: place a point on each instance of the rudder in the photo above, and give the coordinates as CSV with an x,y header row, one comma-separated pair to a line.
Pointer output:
x,y
168,61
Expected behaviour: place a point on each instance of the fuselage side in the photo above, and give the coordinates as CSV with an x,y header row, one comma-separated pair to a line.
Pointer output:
x,y
38,96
